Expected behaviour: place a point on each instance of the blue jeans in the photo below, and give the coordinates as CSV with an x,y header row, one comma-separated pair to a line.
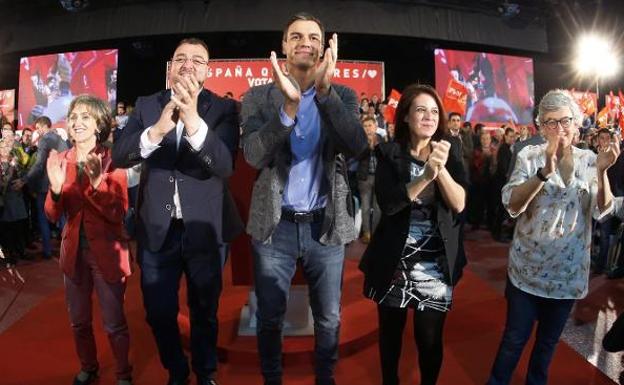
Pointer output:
x,y
523,309
161,272
275,263
44,226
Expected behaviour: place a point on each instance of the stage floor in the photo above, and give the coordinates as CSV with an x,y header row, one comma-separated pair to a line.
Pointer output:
x,y
37,349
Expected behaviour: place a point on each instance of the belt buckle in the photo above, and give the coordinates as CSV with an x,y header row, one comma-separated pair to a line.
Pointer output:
x,y
299,217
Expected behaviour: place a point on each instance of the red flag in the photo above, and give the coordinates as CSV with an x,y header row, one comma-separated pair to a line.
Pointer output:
x,y
455,97
613,104
393,102
621,110
603,117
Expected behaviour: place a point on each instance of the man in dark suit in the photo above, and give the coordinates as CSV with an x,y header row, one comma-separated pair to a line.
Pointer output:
x,y
186,140
297,132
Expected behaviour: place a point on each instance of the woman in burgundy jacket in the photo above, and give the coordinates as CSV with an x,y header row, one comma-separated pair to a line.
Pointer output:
x,y
94,252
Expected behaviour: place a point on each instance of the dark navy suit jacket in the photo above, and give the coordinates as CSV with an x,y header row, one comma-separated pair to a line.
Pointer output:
x,y
201,175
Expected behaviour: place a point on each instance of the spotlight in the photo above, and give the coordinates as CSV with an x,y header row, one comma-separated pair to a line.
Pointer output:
x,y
596,56
509,10
74,5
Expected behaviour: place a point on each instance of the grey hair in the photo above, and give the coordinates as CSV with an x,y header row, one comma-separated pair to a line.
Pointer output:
x,y
553,101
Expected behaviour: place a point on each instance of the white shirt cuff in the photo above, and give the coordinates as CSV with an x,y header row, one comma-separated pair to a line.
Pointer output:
x,y
146,146
197,140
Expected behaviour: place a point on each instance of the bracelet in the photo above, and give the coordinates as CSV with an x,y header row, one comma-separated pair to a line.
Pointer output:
x,y
541,176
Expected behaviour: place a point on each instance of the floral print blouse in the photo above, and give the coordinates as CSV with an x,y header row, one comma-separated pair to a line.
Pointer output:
x,y
550,252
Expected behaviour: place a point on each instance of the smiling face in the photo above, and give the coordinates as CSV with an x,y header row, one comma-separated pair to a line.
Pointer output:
x,y
189,59
560,123
303,44
423,116
82,124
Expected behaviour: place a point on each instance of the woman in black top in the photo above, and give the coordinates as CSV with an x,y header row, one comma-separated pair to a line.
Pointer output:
x,y
416,254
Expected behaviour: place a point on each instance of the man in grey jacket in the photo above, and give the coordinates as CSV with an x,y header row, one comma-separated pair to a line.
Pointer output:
x,y
297,132
37,177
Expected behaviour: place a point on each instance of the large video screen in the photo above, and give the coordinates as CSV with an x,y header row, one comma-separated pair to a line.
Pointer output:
x,y
48,83
499,88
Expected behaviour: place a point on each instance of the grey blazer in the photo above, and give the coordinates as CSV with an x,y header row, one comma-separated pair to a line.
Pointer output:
x,y
266,146
618,207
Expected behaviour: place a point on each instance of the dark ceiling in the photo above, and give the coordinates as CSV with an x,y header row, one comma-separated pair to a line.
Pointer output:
x,y
564,21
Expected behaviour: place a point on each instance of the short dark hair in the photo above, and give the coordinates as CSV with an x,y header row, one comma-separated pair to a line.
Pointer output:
x,y
453,113
604,131
305,17
509,129
99,110
402,130
368,118
43,120
193,41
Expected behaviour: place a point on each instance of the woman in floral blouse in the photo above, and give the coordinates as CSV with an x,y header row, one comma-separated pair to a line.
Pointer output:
x,y
553,191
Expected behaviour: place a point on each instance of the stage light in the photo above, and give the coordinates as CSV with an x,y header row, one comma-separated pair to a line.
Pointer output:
x,y
74,5
596,56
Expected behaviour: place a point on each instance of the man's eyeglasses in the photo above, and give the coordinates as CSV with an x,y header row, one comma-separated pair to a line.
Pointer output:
x,y
553,123
181,60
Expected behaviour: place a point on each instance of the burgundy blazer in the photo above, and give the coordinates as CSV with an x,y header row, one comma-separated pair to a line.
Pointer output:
x,y
101,211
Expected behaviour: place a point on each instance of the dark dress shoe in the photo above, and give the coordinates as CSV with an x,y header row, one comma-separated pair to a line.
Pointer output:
x,y
325,381
90,379
178,381
207,381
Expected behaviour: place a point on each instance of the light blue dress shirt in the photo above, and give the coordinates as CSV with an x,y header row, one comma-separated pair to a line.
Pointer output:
x,y
305,190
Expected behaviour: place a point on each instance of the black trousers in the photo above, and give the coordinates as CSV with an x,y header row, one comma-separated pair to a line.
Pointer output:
x,y
160,280
428,327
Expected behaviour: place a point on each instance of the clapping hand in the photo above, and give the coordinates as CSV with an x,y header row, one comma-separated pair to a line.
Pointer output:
x,y
437,159
187,89
93,167
550,154
607,157
325,70
56,167
287,85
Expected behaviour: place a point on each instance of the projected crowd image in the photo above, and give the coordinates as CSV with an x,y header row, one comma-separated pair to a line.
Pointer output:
x,y
498,88
48,83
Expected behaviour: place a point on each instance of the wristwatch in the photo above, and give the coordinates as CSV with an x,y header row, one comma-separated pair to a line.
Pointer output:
x,y
541,176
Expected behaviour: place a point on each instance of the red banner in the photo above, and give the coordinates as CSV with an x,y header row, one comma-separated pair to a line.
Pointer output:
x,y
393,102
48,83
7,105
238,75
455,97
